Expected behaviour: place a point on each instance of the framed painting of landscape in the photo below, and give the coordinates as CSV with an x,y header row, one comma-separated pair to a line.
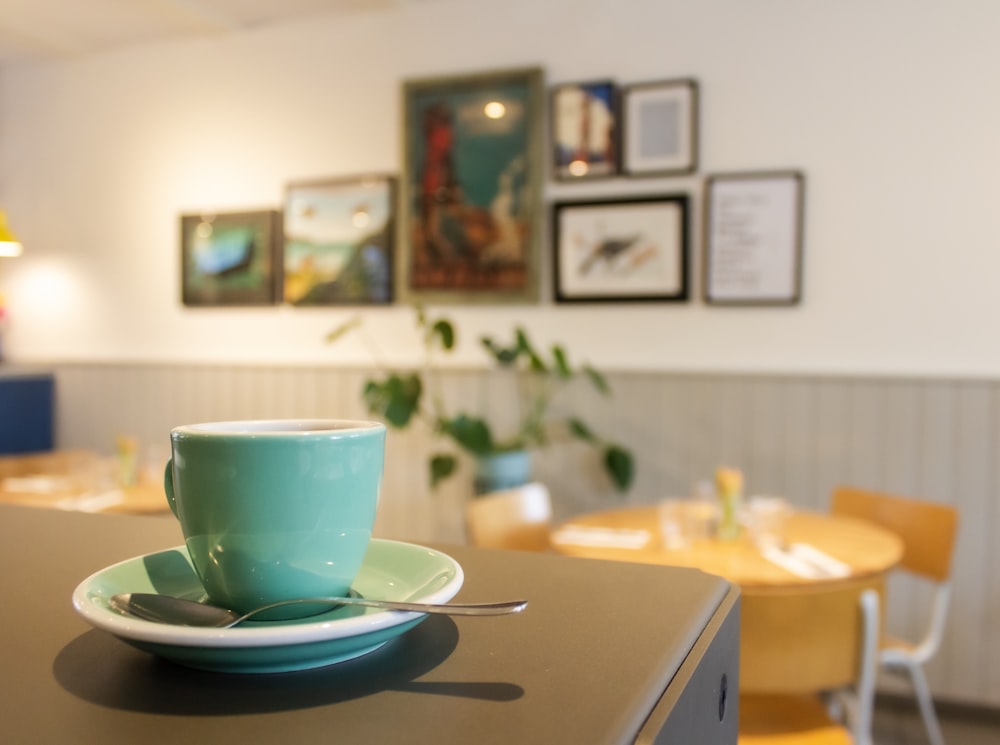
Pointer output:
x,y
339,238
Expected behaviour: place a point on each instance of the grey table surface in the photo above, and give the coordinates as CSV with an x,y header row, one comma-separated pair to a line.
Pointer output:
x,y
586,662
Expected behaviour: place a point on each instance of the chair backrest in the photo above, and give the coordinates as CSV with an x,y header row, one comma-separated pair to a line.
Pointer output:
x,y
816,638
798,645
927,529
518,518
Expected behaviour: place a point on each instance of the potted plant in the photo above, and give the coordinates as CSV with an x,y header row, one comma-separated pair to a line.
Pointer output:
x,y
400,397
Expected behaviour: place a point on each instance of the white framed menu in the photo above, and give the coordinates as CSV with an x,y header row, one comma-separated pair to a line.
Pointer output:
x,y
753,238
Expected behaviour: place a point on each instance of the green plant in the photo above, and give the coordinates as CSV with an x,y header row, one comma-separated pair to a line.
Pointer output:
x,y
399,397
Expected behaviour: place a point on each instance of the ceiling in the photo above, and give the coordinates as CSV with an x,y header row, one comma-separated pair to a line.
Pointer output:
x,y
43,30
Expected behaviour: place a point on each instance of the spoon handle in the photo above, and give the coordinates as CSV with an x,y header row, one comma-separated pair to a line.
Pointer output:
x,y
453,609
184,612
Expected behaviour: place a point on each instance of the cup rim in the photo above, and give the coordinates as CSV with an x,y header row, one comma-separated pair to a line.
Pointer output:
x,y
288,427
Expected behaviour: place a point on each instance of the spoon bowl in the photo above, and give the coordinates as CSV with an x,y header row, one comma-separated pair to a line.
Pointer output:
x,y
182,612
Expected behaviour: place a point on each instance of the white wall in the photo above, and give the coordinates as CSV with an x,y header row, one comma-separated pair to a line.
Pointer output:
x,y
888,107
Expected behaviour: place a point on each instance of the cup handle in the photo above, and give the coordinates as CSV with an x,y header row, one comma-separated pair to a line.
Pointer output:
x,y
168,486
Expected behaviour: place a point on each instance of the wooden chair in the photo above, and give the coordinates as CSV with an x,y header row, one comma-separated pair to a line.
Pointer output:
x,y
928,530
798,649
518,518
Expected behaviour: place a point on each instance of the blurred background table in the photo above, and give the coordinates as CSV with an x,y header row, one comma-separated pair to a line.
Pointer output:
x,y
866,549
771,591
80,480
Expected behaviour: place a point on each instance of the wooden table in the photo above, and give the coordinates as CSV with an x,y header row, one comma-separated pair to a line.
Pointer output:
x,y
767,588
867,549
79,480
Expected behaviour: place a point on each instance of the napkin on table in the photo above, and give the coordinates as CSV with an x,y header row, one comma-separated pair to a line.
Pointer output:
x,y
793,564
92,502
35,484
806,561
582,535
833,567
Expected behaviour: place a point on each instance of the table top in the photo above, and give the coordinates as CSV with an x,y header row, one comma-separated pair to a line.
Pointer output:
x,y
79,480
567,669
866,549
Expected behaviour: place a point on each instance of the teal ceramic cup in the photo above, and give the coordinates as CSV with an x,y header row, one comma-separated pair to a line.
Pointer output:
x,y
276,509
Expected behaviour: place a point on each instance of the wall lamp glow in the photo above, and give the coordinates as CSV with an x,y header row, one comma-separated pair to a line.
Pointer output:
x,y
9,245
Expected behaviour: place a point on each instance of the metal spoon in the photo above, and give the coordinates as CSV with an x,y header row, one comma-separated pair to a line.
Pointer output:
x,y
181,612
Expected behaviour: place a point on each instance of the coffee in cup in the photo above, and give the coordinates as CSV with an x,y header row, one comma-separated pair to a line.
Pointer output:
x,y
276,509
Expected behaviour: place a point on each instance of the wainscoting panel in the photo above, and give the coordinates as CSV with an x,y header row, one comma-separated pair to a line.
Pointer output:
x,y
796,436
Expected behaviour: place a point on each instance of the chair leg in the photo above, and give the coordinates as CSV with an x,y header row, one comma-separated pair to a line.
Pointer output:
x,y
926,703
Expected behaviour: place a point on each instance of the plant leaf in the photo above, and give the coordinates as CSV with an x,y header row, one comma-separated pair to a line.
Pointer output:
x,y
444,330
442,466
524,346
521,339
599,381
563,369
580,430
373,394
471,433
396,399
347,326
489,346
620,466
503,356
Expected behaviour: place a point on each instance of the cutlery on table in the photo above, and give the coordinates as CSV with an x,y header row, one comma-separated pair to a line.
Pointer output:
x,y
182,612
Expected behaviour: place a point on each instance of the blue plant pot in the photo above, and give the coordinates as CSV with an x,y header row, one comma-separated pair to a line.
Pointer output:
x,y
502,471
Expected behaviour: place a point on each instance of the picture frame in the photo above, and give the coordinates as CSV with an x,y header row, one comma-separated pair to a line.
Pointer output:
x,y
585,130
339,241
230,258
633,249
471,204
753,238
660,128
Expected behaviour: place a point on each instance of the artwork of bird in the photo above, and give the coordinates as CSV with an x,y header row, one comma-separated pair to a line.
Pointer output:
x,y
607,250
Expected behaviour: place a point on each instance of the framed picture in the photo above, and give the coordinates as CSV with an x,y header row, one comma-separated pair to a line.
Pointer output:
x,y
660,128
230,258
633,249
753,238
339,241
585,130
471,201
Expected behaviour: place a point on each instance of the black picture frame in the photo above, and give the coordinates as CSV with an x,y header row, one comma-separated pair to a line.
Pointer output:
x,y
585,130
632,249
230,258
660,128
753,236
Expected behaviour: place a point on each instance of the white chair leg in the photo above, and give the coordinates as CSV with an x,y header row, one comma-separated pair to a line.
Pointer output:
x,y
926,703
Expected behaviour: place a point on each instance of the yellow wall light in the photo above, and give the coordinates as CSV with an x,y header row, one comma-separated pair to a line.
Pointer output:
x,y
9,245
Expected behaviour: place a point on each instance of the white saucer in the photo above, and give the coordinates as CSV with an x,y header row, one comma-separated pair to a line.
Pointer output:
x,y
392,570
